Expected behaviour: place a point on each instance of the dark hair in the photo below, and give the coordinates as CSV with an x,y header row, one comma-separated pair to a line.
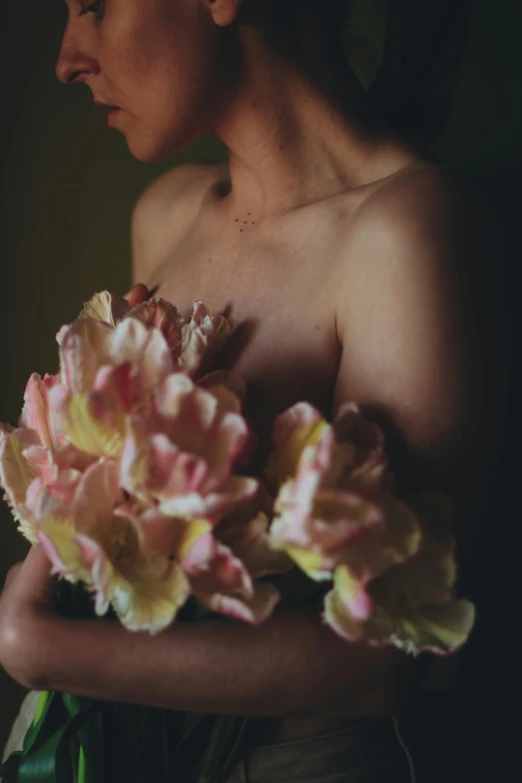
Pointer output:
x,y
329,14
310,33
414,89
298,24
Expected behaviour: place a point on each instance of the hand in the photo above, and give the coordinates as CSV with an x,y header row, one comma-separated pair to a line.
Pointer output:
x,y
138,294
26,606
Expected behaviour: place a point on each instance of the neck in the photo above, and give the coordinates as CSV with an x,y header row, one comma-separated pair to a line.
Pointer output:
x,y
290,140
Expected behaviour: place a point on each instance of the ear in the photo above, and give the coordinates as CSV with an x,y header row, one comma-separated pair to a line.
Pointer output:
x,y
224,12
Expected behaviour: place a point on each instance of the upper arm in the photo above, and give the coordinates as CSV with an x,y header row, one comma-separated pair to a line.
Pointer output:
x,y
407,320
162,214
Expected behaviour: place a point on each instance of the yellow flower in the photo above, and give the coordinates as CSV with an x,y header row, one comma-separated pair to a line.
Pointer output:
x,y
410,605
129,558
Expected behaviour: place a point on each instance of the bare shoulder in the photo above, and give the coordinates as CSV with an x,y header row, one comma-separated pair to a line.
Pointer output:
x,y
417,204
407,319
165,211
417,227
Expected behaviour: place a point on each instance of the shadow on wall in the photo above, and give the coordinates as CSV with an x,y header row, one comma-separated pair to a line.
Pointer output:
x,y
68,187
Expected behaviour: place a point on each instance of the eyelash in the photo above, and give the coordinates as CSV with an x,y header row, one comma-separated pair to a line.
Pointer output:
x,y
95,8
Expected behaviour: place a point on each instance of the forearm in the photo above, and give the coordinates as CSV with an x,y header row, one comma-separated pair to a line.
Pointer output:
x,y
293,665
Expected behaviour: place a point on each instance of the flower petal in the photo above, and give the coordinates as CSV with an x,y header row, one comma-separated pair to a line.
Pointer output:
x,y
254,610
221,573
337,615
36,414
106,307
64,553
53,501
84,348
127,342
248,539
411,604
90,424
398,539
202,336
440,629
352,594
144,604
215,504
157,313
96,495
295,429
16,476
16,473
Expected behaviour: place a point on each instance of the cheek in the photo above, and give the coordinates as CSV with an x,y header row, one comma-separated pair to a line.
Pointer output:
x,y
160,119
168,84
155,77
174,93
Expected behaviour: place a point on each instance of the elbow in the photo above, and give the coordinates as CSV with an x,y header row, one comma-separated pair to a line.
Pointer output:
x,y
23,656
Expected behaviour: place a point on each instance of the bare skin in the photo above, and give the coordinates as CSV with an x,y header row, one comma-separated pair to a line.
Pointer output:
x,y
295,284
344,261
288,286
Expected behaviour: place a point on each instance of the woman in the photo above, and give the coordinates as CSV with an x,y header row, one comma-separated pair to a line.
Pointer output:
x,y
342,257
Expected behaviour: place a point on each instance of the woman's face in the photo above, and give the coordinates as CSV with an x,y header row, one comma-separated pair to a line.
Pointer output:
x,y
164,64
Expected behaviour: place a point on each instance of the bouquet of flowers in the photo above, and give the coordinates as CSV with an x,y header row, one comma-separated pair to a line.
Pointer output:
x,y
130,467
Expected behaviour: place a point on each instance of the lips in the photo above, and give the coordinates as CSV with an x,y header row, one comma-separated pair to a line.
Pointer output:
x,y
112,112
108,106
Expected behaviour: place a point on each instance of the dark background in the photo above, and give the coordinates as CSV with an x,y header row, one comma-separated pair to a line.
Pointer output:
x,y
67,188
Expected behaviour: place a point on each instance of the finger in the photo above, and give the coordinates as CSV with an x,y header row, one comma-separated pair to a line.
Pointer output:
x,y
138,294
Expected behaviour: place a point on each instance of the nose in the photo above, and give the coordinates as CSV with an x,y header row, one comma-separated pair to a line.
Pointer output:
x,y
73,65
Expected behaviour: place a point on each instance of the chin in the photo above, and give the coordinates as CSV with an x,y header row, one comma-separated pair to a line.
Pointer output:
x,y
145,153
153,150
153,147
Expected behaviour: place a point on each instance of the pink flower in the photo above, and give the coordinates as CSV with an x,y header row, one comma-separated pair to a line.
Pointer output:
x,y
335,506
182,458
335,511
159,314
35,475
202,336
125,556
112,361
107,374
412,604
246,534
190,342
221,582
142,562
106,307
123,466
36,414
16,474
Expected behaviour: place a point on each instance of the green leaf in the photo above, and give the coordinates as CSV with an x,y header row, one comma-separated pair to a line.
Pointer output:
x,y
90,752
76,704
74,755
223,750
49,761
82,770
43,699
51,714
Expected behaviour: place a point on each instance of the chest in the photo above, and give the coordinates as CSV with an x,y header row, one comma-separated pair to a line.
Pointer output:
x,y
278,291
